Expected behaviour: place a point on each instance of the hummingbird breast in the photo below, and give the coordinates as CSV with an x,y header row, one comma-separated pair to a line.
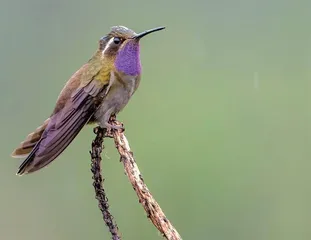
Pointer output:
x,y
118,94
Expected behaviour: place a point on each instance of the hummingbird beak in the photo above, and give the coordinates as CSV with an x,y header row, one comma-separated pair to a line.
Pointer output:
x,y
140,35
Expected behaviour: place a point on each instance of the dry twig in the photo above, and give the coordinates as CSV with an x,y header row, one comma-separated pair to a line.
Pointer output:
x,y
98,183
152,208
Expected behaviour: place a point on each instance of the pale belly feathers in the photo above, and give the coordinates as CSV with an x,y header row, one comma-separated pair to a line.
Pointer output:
x,y
118,95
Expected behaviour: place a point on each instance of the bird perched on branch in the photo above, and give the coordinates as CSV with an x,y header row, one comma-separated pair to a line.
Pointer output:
x,y
99,89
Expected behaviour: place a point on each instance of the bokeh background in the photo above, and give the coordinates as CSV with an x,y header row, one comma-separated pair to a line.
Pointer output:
x,y
220,125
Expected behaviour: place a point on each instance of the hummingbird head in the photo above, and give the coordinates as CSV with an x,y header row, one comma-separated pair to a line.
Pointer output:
x,y
121,46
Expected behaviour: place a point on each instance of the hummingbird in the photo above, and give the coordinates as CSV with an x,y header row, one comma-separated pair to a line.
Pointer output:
x,y
100,88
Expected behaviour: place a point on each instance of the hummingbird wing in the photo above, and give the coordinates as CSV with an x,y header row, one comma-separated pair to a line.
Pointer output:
x,y
32,139
65,123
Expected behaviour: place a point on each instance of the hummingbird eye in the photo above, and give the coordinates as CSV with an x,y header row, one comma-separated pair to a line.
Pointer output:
x,y
116,40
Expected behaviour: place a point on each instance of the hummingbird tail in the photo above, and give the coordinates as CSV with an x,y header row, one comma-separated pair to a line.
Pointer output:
x,y
31,140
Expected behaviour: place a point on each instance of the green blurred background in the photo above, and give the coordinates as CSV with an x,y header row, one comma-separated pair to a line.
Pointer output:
x,y
220,125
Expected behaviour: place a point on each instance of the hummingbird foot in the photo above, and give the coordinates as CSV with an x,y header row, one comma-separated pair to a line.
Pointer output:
x,y
114,127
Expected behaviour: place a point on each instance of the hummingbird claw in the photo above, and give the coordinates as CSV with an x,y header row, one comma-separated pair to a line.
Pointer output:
x,y
114,127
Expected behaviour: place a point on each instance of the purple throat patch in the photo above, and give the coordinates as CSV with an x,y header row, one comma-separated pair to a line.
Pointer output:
x,y
128,59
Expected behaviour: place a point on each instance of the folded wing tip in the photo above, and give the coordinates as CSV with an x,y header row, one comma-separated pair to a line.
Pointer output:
x,y
19,174
21,171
